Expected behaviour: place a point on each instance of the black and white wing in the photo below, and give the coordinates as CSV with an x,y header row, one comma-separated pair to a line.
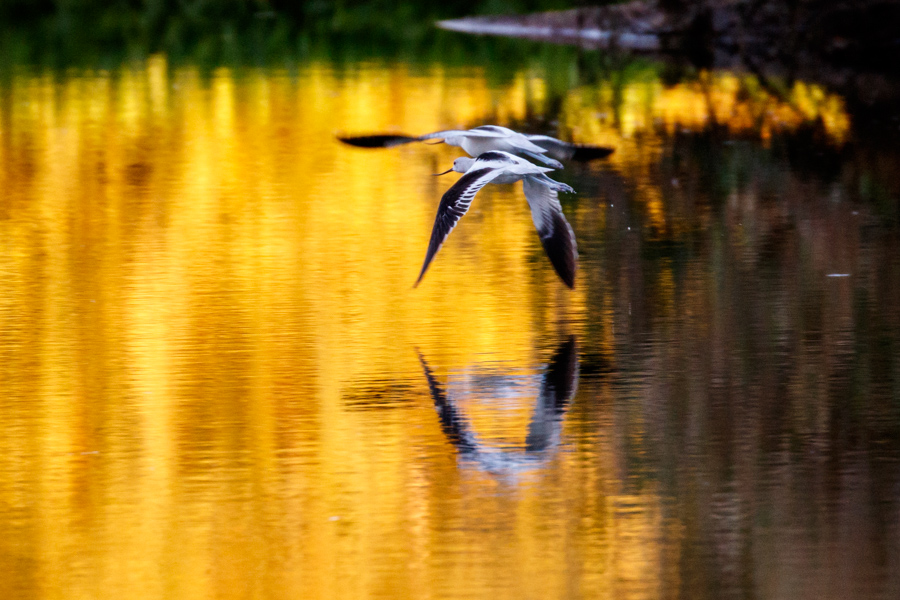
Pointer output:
x,y
454,204
389,140
556,234
561,150
378,140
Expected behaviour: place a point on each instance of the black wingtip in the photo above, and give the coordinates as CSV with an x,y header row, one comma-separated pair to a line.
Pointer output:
x,y
422,272
586,153
567,277
376,141
561,250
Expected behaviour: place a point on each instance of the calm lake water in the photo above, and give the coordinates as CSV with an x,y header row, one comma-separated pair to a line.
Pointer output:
x,y
217,381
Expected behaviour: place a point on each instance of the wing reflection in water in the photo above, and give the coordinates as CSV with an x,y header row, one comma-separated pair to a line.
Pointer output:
x,y
558,386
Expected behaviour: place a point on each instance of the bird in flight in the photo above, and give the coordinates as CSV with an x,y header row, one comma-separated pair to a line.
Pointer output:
x,y
541,192
486,138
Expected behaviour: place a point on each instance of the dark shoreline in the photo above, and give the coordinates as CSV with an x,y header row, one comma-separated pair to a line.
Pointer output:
x,y
850,47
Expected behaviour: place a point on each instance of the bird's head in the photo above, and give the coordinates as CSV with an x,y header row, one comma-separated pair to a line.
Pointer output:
x,y
460,165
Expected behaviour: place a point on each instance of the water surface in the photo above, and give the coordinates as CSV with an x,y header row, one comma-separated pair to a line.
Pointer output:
x,y
216,379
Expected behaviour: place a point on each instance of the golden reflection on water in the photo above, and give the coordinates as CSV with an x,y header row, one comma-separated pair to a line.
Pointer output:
x,y
198,280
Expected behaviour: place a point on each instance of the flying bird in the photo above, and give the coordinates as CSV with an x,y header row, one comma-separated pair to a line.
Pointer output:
x,y
541,192
486,138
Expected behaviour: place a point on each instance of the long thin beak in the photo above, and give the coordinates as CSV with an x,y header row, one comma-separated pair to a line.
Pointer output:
x,y
444,173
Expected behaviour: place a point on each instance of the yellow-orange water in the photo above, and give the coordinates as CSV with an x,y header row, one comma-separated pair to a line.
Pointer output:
x,y
210,381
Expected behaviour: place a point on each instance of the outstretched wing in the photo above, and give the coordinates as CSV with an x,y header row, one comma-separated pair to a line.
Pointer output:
x,y
454,204
561,150
388,140
378,141
556,234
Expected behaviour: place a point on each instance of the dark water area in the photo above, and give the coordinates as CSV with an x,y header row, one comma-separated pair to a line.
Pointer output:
x,y
753,356
217,379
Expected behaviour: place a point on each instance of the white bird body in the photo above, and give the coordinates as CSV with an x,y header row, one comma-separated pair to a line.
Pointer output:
x,y
556,234
489,138
508,168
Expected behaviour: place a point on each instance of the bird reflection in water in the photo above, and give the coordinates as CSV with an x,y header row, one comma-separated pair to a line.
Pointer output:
x,y
558,386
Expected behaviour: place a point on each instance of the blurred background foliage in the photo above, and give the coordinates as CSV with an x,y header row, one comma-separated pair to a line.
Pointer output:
x,y
97,33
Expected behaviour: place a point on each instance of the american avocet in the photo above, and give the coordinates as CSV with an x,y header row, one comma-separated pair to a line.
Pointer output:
x,y
556,234
483,139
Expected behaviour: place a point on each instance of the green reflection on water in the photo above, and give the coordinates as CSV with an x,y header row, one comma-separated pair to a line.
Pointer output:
x,y
248,32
